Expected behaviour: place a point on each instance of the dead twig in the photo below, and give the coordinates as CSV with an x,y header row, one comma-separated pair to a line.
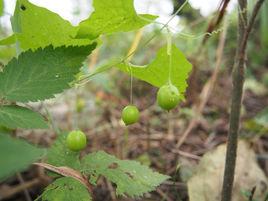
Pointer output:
x,y
207,89
7,192
25,191
163,195
185,154
111,189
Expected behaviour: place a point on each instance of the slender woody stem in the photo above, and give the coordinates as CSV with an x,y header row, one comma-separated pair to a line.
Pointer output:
x,y
244,29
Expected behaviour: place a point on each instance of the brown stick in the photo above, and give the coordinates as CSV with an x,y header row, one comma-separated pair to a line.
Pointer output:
x,y
215,22
244,30
207,89
25,191
10,191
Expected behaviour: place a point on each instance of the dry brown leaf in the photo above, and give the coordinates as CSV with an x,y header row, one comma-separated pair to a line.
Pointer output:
x,y
67,172
206,183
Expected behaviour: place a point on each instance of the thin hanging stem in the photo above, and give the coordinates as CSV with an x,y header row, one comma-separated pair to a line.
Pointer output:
x,y
169,53
131,87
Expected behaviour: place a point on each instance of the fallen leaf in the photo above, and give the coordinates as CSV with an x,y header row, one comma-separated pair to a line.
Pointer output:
x,y
206,183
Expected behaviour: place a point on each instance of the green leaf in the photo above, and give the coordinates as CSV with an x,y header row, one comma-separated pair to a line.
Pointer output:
x,y
112,16
1,7
20,117
16,155
8,40
130,177
66,189
157,72
36,27
59,154
42,74
7,53
263,24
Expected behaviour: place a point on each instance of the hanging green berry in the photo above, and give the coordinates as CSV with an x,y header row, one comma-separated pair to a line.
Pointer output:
x,y
80,105
130,114
168,97
76,140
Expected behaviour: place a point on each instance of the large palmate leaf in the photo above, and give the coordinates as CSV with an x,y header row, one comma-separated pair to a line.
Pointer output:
x,y
131,178
112,16
36,27
157,72
39,75
66,189
20,117
16,155
60,155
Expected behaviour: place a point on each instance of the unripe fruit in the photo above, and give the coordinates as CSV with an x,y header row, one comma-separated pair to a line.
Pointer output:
x,y
80,105
76,140
130,114
168,97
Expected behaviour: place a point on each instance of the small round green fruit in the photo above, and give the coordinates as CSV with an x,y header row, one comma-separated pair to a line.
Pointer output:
x,y
168,97
76,140
80,105
130,114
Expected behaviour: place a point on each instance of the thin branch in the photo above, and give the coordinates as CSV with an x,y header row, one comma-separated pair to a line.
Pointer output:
x,y
25,191
10,191
214,23
244,30
207,89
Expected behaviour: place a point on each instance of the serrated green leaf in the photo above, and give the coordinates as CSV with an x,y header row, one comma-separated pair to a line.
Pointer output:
x,y
16,155
157,72
66,189
42,74
36,27
112,16
13,116
60,155
130,177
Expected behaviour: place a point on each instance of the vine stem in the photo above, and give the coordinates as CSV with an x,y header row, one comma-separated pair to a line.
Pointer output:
x,y
244,29
130,54
169,53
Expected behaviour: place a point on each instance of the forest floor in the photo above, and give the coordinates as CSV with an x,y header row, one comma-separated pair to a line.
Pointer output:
x,y
153,141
